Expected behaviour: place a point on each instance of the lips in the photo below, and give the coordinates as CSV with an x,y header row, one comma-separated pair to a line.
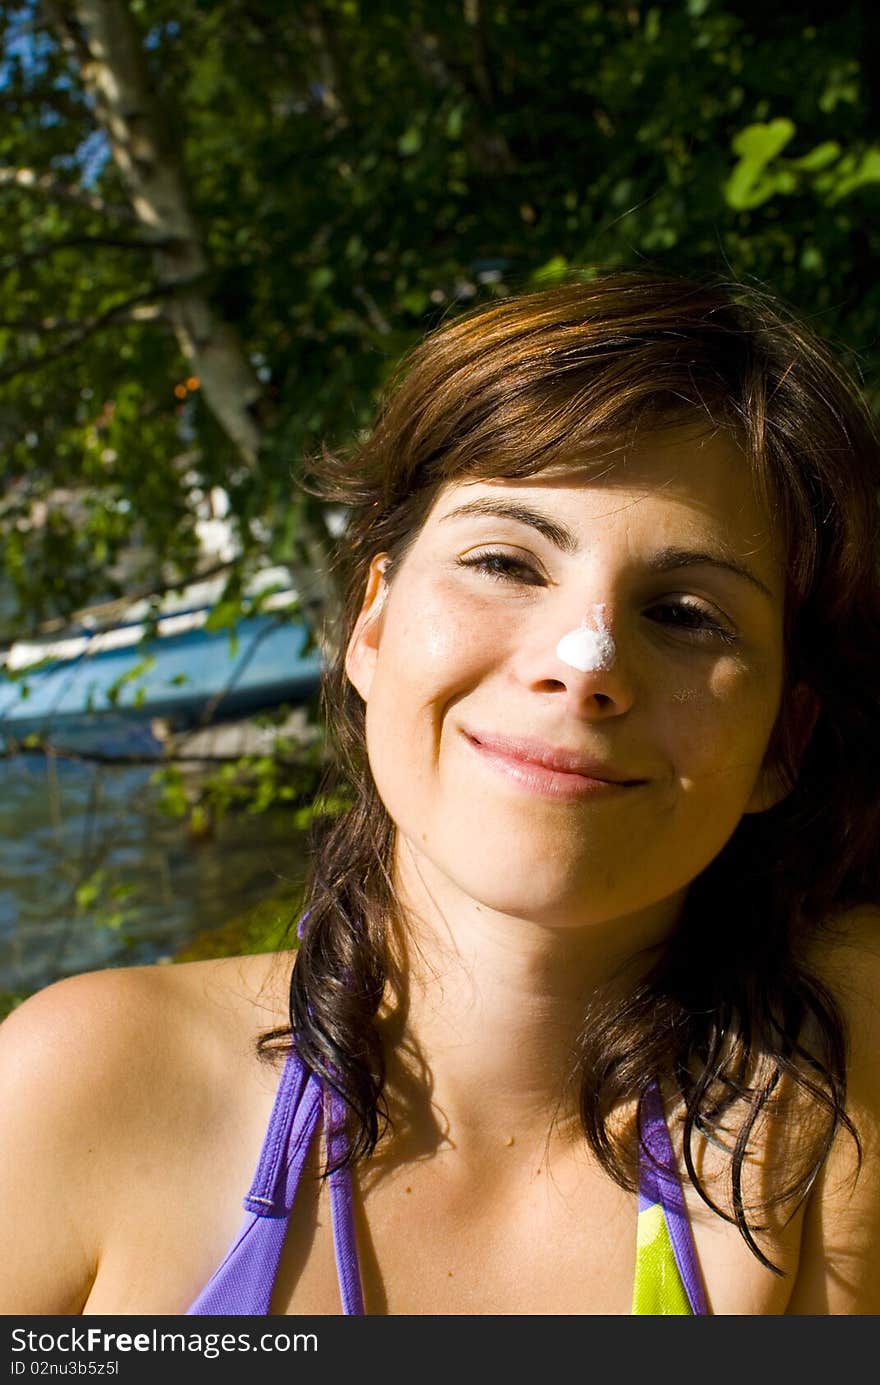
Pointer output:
x,y
527,750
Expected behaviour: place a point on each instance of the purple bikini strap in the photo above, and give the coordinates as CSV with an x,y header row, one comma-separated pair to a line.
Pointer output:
x,y
659,1181
342,1207
288,1139
281,1164
244,1281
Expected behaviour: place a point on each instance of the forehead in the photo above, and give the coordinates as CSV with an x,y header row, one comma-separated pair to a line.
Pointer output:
x,y
677,487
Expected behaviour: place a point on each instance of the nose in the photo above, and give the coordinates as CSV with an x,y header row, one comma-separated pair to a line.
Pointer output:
x,y
585,664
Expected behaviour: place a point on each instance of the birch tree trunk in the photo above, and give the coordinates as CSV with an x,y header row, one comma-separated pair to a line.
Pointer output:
x,y
107,47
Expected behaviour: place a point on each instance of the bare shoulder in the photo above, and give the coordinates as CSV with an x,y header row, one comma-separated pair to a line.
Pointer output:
x,y
138,1020
103,1073
840,1254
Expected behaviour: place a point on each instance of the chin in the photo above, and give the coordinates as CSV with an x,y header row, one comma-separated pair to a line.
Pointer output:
x,y
531,896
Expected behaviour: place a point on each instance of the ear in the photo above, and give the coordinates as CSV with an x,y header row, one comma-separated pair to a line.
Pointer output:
x,y
360,656
772,785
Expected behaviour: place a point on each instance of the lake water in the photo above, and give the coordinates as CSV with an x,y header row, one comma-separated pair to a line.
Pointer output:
x,y
93,874
63,820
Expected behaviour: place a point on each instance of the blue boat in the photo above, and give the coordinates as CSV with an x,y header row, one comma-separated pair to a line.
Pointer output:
x,y
97,682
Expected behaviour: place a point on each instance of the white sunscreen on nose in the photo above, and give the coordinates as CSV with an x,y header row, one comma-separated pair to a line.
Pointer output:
x,y
588,647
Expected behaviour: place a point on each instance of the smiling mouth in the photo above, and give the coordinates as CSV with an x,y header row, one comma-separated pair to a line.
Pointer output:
x,y
547,771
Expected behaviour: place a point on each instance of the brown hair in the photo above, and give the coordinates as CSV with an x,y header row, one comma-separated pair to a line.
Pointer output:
x,y
520,387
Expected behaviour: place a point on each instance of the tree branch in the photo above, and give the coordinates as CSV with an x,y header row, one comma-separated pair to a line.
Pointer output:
x,y
147,312
75,242
139,308
106,613
47,186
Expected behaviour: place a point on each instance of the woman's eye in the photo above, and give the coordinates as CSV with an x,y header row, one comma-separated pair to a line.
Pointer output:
x,y
502,566
680,615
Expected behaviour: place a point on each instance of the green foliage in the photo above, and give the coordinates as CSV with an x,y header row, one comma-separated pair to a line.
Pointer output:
x,y
761,173
360,172
754,178
111,903
265,927
130,678
285,776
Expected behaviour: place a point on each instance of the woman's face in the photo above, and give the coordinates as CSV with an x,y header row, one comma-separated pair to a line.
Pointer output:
x,y
669,560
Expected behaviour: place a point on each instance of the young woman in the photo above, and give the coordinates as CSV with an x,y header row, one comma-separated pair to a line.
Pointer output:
x,y
583,1010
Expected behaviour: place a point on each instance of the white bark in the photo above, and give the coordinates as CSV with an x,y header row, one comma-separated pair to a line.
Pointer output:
x,y
115,72
107,46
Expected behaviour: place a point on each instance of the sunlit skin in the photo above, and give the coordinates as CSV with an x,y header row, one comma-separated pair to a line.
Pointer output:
x,y
521,902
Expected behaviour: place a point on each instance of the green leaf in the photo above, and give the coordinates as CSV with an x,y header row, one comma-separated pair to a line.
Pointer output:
x,y
552,272
856,173
454,124
224,615
818,158
321,279
751,181
410,141
143,666
761,142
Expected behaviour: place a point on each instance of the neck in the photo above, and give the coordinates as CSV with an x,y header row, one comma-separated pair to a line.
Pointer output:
x,y
484,1043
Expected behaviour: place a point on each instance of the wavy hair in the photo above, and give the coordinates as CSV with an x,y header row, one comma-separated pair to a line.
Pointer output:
x,y
732,1011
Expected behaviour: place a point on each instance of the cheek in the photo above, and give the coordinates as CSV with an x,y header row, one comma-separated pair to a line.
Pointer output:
x,y
725,722
441,640
431,652
437,639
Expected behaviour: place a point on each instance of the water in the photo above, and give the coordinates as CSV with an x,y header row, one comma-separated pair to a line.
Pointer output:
x,y
93,874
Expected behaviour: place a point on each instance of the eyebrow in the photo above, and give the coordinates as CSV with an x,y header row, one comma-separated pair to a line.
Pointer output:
x,y
552,529
663,560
